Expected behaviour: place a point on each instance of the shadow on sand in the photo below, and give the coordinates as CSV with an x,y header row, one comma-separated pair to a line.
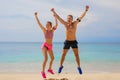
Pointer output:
x,y
57,79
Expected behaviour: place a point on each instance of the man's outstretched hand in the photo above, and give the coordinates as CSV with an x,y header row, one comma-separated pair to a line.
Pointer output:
x,y
35,13
52,9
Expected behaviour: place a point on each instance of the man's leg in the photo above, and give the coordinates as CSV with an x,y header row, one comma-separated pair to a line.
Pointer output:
x,y
63,56
62,60
65,50
75,50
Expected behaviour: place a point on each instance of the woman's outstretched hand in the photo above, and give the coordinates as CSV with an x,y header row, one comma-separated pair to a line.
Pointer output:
x,y
87,7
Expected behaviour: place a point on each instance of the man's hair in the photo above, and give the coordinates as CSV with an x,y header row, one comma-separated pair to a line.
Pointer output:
x,y
70,15
49,23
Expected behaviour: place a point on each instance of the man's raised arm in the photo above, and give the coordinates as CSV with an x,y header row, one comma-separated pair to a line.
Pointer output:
x,y
83,14
57,17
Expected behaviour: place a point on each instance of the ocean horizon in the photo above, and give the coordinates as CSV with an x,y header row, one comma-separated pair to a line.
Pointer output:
x,y
20,57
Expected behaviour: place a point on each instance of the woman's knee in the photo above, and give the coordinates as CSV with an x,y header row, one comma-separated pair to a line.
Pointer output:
x,y
52,58
46,59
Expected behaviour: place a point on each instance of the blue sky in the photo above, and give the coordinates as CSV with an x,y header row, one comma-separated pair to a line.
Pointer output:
x,y
101,24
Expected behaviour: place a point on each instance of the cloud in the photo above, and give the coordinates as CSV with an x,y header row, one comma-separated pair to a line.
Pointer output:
x,y
111,4
57,1
23,9
17,18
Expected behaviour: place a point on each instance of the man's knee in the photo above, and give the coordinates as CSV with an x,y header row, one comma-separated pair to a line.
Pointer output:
x,y
63,55
64,52
76,54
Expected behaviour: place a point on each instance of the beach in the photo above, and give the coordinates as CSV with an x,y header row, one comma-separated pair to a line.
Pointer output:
x,y
62,76
23,61
91,26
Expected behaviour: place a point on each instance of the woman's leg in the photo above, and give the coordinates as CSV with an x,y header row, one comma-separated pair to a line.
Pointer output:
x,y
51,61
51,58
44,51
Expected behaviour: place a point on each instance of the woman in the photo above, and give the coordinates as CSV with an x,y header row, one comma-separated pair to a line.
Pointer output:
x,y
47,45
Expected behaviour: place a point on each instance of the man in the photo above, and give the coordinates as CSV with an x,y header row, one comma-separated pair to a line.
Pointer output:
x,y
70,41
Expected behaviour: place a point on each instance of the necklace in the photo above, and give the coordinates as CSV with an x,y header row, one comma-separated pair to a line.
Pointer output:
x,y
70,26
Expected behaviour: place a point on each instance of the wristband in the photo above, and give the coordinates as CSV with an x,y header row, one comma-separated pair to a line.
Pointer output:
x,y
78,19
54,28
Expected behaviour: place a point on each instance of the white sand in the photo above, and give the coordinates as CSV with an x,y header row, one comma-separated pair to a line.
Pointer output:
x,y
70,76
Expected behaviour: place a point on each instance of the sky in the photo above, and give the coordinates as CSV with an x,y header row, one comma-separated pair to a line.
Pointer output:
x,y
18,24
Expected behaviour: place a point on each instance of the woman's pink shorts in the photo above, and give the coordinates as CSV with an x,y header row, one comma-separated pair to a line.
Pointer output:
x,y
48,46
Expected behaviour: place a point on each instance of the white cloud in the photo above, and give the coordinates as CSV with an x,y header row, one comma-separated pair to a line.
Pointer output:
x,y
18,16
58,1
22,7
112,4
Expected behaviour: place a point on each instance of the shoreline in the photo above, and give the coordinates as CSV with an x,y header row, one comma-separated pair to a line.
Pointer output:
x,y
68,68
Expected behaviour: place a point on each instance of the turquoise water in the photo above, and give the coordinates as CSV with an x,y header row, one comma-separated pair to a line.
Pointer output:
x,y
19,53
31,52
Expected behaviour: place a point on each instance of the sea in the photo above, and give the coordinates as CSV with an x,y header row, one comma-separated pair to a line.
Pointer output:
x,y
27,57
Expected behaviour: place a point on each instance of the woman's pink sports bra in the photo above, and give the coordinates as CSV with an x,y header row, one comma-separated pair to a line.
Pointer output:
x,y
49,34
